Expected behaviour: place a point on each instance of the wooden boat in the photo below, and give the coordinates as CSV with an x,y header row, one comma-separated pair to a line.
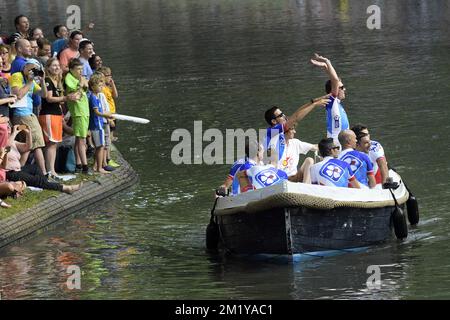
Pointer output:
x,y
293,218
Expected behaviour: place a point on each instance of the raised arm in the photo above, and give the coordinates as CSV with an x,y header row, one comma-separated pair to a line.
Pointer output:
x,y
25,147
325,64
88,28
305,109
17,87
113,87
41,89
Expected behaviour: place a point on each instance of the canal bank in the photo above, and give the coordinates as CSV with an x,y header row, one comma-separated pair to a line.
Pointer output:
x,y
52,209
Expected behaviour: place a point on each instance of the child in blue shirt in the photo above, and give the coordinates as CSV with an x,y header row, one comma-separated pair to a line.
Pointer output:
x,y
98,120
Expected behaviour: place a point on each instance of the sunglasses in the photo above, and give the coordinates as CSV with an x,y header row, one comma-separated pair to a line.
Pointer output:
x,y
279,116
335,148
342,87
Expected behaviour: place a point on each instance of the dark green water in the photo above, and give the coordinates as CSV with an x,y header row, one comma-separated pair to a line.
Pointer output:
x,y
224,62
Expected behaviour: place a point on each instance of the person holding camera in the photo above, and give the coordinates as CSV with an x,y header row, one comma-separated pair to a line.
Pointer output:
x,y
23,52
23,85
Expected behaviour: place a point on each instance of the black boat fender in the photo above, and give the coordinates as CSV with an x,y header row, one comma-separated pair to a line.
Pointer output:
x,y
412,206
398,217
212,230
212,235
400,225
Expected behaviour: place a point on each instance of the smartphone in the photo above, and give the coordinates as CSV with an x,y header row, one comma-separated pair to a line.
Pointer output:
x,y
7,149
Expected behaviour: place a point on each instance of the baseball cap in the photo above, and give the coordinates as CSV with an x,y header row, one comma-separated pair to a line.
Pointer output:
x,y
33,61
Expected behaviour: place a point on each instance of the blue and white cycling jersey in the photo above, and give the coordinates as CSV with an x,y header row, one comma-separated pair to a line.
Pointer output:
x,y
232,175
376,152
264,176
359,163
337,119
275,141
332,172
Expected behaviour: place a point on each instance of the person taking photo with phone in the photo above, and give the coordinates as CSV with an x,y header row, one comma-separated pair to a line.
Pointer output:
x,y
23,85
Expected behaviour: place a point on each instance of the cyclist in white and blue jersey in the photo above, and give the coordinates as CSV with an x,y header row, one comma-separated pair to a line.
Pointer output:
x,y
375,152
275,142
252,175
331,171
359,162
231,180
337,119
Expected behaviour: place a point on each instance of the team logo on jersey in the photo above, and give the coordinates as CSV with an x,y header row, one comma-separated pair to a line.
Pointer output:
x,y
353,162
267,177
374,146
332,171
336,121
285,162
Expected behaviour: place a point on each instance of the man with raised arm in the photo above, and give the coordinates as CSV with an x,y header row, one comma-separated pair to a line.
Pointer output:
x,y
337,119
279,123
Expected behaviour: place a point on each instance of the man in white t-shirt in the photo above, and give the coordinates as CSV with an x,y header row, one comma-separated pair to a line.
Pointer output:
x,y
291,157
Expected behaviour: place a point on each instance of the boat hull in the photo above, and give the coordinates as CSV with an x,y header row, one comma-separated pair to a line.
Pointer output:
x,y
301,229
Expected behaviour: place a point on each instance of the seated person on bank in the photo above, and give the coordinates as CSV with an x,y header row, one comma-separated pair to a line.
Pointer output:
x,y
359,162
291,157
7,188
30,174
252,175
332,171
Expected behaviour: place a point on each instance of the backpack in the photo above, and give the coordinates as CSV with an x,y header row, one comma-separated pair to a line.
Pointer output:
x,y
65,160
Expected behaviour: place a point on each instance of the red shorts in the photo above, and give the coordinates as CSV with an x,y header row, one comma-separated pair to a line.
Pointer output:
x,y
52,127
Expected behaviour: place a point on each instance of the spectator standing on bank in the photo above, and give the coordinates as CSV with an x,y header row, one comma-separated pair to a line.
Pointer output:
x,y
79,111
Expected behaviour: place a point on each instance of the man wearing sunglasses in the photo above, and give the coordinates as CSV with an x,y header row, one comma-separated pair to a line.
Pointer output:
x,y
337,119
331,171
275,142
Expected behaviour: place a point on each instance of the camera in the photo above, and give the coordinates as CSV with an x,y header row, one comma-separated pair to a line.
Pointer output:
x,y
37,72
22,127
221,192
390,184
